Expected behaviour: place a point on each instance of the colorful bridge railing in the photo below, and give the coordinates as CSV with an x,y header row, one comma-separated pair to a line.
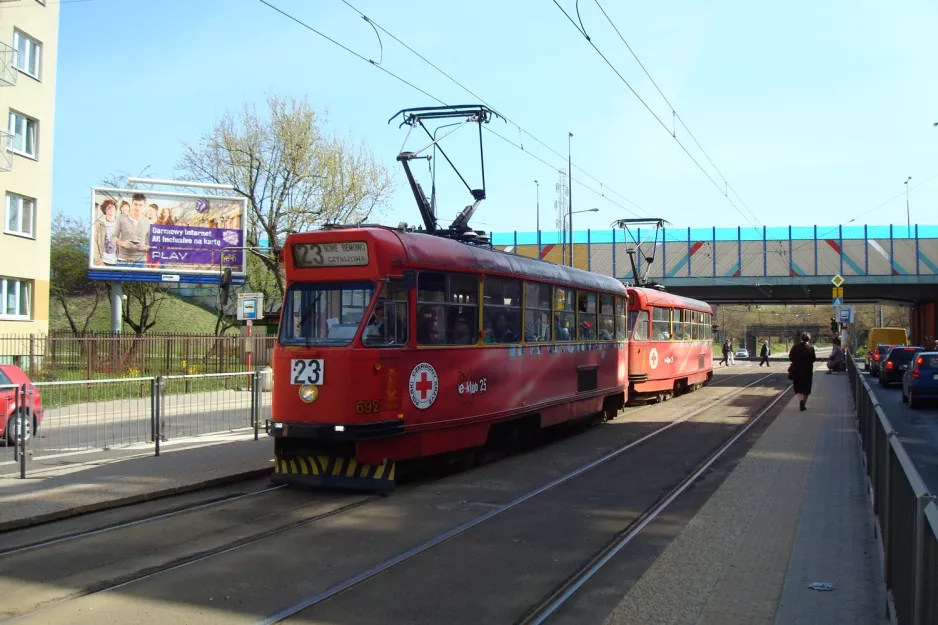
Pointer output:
x,y
795,251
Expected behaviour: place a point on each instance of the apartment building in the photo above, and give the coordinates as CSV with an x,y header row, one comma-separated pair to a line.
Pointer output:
x,y
29,31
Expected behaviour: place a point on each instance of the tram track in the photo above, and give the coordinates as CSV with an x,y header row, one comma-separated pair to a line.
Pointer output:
x,y
646,517
201,556
222,500
559,597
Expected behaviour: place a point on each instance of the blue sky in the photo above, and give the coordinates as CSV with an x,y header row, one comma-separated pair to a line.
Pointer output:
x,y
814,112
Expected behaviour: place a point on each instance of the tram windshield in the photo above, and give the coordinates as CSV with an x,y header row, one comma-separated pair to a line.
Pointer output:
x,y
324,313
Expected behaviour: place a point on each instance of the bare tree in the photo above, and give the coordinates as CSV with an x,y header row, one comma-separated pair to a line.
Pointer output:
x,y
69,272
294,177
148,297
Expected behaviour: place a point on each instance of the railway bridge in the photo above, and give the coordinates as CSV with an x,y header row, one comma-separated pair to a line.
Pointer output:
x,y
790,264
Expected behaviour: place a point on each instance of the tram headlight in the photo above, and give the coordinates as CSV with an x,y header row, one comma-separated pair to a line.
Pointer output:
x,y
309,393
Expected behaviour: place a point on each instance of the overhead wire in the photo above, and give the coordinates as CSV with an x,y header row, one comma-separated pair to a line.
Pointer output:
x,y
580,29
671,106
603,186
438,100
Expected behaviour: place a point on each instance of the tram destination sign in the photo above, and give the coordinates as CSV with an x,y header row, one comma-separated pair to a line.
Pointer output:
x,y
341,254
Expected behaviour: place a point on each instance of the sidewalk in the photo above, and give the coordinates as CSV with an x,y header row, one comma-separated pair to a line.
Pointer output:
x,y
59,487
794,511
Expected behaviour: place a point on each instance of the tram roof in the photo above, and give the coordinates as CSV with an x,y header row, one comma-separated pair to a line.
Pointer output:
x,y
654,297
446,254
434,250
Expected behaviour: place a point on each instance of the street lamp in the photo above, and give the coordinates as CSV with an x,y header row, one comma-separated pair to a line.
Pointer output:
x,y
570,215
570,191
908,221
538,204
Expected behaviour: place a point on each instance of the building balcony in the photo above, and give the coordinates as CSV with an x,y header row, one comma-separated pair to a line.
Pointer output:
x,y
6,153
8,71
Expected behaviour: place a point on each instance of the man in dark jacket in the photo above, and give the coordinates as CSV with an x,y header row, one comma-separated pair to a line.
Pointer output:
x,y
764,354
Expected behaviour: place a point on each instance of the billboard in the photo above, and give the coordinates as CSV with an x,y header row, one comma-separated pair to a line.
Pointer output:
x,y
163,236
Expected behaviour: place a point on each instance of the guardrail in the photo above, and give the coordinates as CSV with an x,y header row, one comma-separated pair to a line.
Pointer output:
x,y
69,417
906,513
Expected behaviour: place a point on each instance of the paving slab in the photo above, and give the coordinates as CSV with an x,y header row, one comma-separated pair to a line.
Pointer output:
x,y
794,511
64,486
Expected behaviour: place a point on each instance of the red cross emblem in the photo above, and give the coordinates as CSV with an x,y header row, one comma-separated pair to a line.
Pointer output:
x,y
424,385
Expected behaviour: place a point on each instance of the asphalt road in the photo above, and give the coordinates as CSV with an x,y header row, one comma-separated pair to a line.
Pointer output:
x,y
918,429
297,543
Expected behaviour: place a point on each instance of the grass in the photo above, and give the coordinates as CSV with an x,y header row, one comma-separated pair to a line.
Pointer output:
x,y
175,315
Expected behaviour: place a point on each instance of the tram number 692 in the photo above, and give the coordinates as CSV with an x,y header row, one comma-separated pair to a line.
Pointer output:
x,y
367,407
306,371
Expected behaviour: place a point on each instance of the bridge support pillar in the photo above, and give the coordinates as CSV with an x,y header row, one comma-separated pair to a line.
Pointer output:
x,y
925,324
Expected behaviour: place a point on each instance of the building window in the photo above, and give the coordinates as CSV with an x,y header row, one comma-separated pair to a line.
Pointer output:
x,y
14,298
24,130
28,54
20,215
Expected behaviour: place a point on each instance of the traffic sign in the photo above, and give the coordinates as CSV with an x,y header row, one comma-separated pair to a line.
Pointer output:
x,y
250,306
838,291
838,280
847,313
838,301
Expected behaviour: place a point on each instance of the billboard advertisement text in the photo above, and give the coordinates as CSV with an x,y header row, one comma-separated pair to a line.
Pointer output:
x,y
163,232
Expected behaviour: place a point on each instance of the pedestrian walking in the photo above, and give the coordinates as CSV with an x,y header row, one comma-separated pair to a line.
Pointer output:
x,y
726,351
732,356
765,354
801,370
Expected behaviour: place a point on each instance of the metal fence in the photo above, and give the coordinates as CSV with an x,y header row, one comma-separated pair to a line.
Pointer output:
x,y
65,417
64,356
906,512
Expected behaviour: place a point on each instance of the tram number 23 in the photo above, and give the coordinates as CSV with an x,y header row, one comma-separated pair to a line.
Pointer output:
x,y
306,371
367,407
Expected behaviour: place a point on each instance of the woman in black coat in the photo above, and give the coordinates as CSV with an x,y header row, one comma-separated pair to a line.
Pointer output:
x,y
802,359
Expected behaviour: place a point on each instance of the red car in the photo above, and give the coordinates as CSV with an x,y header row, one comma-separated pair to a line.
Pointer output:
x,y
11,376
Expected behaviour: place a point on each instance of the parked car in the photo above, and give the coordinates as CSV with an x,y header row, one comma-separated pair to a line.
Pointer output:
x,y
895,364
742,352
11,377
876,356
920,382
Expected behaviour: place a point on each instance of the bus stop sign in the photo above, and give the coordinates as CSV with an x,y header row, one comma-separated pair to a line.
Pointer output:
x,y
250,306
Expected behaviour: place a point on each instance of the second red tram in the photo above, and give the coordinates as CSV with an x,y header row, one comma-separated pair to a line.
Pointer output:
x,y
670,343
398,345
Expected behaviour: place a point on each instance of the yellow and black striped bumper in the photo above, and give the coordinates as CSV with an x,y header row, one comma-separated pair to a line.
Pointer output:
x,y
333,471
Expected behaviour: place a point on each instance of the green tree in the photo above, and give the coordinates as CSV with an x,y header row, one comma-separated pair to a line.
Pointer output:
x,y
295,177
69,272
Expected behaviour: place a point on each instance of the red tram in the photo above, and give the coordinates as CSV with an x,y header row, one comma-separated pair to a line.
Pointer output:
x,y
432,346
670,343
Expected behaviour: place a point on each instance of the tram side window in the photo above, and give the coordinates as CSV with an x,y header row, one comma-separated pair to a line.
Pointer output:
x,y
536,312
501,310
447,309
607,317
661,324
677,325
586,316
388,324
621,329
694,325
638,322
564,314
